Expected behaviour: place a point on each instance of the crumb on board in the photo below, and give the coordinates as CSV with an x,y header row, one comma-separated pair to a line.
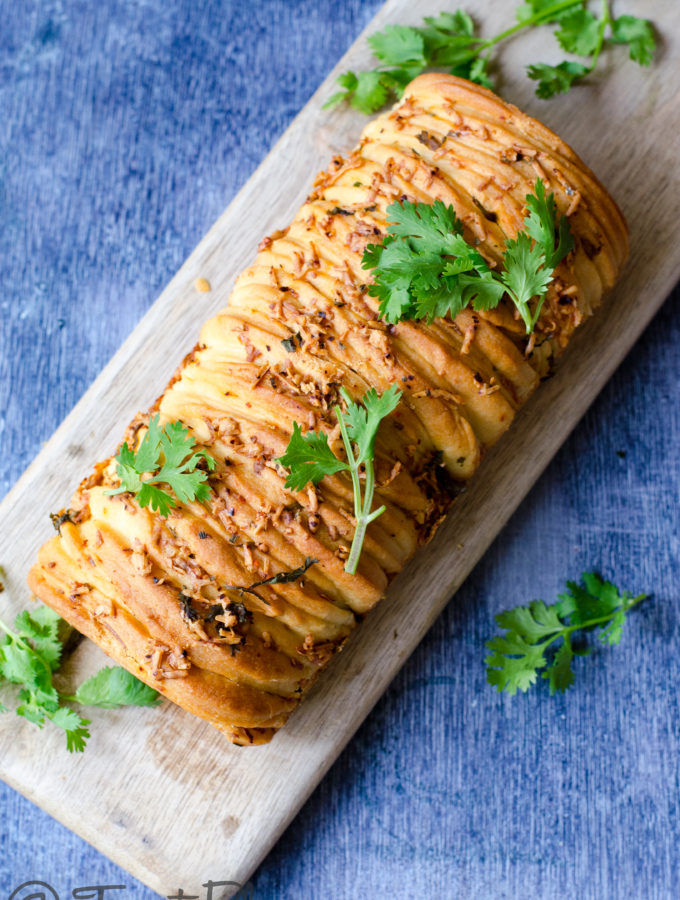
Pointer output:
x,y
202,285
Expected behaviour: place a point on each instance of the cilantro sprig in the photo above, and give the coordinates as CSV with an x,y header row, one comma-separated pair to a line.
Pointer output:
x,y
165,456
529,644
425,269
309,457
449,42
30,653
584,34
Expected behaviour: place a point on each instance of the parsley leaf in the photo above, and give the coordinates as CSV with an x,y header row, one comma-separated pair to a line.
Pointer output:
x,y
309,458
165,456
517,656
29,655
425,269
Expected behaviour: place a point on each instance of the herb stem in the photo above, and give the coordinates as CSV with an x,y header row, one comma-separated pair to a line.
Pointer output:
x,y
605,20
19,640
351,459
24,643
537,19
362,508
9,632
591,623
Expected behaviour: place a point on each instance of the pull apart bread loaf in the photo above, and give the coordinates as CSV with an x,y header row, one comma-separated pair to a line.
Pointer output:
x,y
299,326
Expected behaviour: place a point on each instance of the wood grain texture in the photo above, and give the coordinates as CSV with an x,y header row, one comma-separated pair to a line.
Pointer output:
x,y
141,832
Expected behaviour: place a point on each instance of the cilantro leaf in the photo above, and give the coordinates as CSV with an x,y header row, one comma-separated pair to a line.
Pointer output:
x,y
165,456
348,82
579,33
450,39
425,269
41,627
112,687
531,631
399,45
539,223
363,419
513,663
531,622
179,466
334,100
638,34
541,10
439,30
309,458
448,42
613,632
32,710
155,498
479,72
559,673
76,729
526,275
367,91
30,653
371,92
403,52
556,79
146,458
18,663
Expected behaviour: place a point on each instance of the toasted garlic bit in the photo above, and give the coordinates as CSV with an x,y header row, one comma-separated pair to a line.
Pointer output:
x,y
202,285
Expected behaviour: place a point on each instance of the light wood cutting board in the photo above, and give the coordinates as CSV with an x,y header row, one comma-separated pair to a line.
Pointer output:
x,y
143,767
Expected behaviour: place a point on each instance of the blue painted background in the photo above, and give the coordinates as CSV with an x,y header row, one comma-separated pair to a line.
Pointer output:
x,y
125,129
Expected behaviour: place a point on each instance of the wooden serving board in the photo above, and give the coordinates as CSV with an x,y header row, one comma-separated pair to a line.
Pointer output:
x,y
160,792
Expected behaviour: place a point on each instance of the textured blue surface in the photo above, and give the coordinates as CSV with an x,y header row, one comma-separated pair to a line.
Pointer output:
x,y
126,129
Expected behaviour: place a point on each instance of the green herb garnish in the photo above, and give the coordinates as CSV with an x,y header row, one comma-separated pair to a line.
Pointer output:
x,y
286,577
30,654
532,631
278,578
425,268
164,457
309,457
449,42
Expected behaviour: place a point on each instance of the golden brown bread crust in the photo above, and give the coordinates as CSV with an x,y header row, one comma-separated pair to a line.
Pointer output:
x,y
143,587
